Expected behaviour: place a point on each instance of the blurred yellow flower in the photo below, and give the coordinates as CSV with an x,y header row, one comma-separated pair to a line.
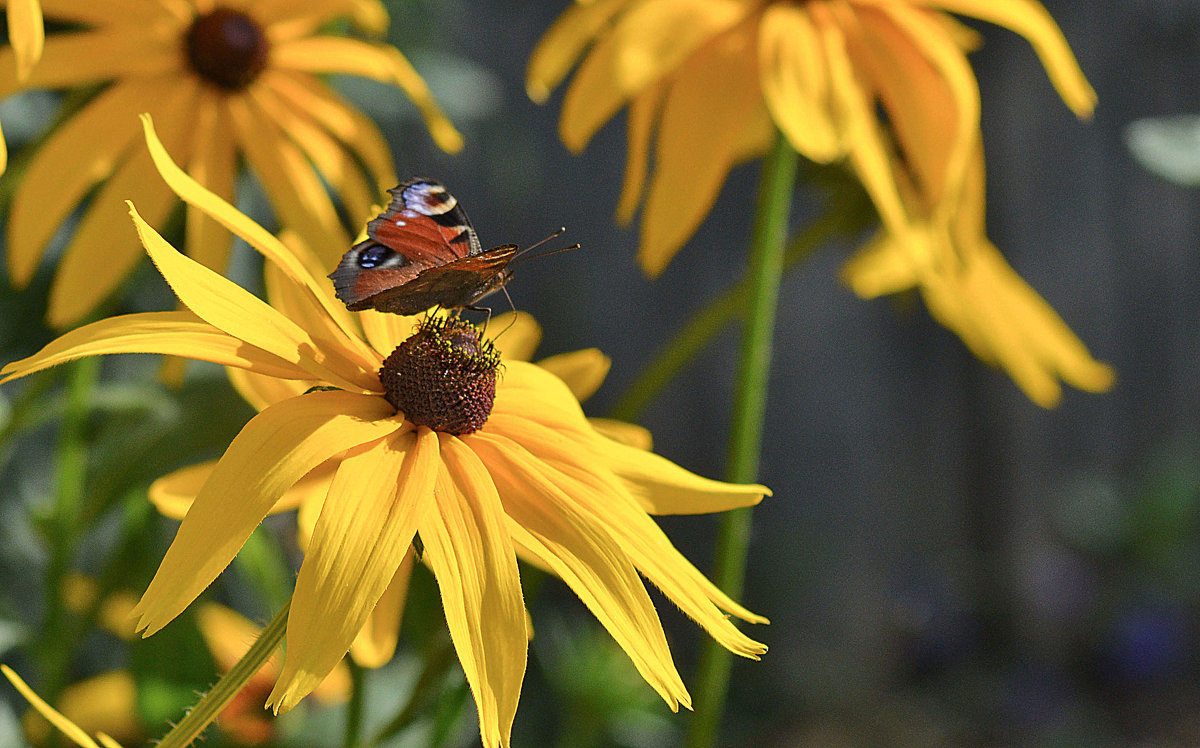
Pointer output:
x,y
513,467
708,81
884,86
225,82
76,734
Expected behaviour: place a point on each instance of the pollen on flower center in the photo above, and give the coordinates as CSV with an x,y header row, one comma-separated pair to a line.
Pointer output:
x,y
443,377
227,48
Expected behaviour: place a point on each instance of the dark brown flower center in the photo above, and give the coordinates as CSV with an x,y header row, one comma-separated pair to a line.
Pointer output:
x,y
443,377
227,48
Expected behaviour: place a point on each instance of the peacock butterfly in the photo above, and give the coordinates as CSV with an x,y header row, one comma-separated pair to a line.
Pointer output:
x,y
419,253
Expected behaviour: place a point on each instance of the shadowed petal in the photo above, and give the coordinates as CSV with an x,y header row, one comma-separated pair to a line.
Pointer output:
x,y
172,333
583,555
519,335
564,41
468,547
86,57
26,34
366,525
273,451
376,640
173,494
583,371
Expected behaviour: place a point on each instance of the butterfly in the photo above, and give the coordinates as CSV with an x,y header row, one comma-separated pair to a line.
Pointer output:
x,y
421,252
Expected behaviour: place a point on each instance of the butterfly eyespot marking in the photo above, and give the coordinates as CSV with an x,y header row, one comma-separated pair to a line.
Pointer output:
x,y
374,256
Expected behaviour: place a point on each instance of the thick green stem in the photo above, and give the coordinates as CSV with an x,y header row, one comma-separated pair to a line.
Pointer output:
x,y
219,696
767,244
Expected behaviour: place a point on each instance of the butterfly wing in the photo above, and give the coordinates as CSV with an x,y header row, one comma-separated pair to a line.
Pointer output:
x,y
456,284
423,227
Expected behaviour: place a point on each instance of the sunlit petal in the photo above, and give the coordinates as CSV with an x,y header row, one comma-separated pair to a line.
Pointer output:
x,y
68,728
583,371
26,34
518,337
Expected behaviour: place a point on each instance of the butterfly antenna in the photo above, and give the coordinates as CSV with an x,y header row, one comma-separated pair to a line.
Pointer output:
x,y
520,256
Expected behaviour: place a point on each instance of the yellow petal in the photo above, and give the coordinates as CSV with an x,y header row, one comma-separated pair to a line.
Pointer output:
x,y
335,54
172,333
528,390
795,82
228,307
289,20
583,555
583,371
366,525
1030,19
468,547
173,493
273,451
82,151
263,391
629,434
26,34
102,703
564,41
881,266
214,166
66,726
105,247
684,187
648,42
607,500
386,331
96,56
305,93
291,261
518,335
644,111
108,12
376,640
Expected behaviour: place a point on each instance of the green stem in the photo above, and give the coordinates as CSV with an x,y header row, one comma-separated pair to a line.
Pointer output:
x,y
219,696
354,709
845,216
63,526
767,243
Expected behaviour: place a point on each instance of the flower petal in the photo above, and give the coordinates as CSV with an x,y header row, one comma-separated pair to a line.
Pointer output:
x,y
291,261
376,640
644,111
585,556
271,453
263,391
173,494
629,434
85,149
564,41
214,166
366,526
645,44
684,187
288,20
518,337
26,34
86,57
68,728
335,54
468,547
1030,19
105,248
172,333
230,308
106,12
795,82
385,331
583,371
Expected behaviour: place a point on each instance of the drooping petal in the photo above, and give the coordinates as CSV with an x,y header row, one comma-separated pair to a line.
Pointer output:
x,y
468,547
171,333
795,82
366,525
26,34
648,42
684,187
270,454
644,111
333,54
1030,19
583,371
230,308
68,728
585,556
561,45
104,248
82,151
376,640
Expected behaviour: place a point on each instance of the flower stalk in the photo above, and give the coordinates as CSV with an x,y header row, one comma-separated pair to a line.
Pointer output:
x,y
219,696
768,241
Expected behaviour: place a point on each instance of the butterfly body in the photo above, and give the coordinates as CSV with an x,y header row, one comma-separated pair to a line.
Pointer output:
x,y
419,253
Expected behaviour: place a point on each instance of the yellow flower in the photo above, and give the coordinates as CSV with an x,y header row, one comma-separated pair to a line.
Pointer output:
x,y
709,80
582,371
226,83
27,37
534,477
970,289
66,726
